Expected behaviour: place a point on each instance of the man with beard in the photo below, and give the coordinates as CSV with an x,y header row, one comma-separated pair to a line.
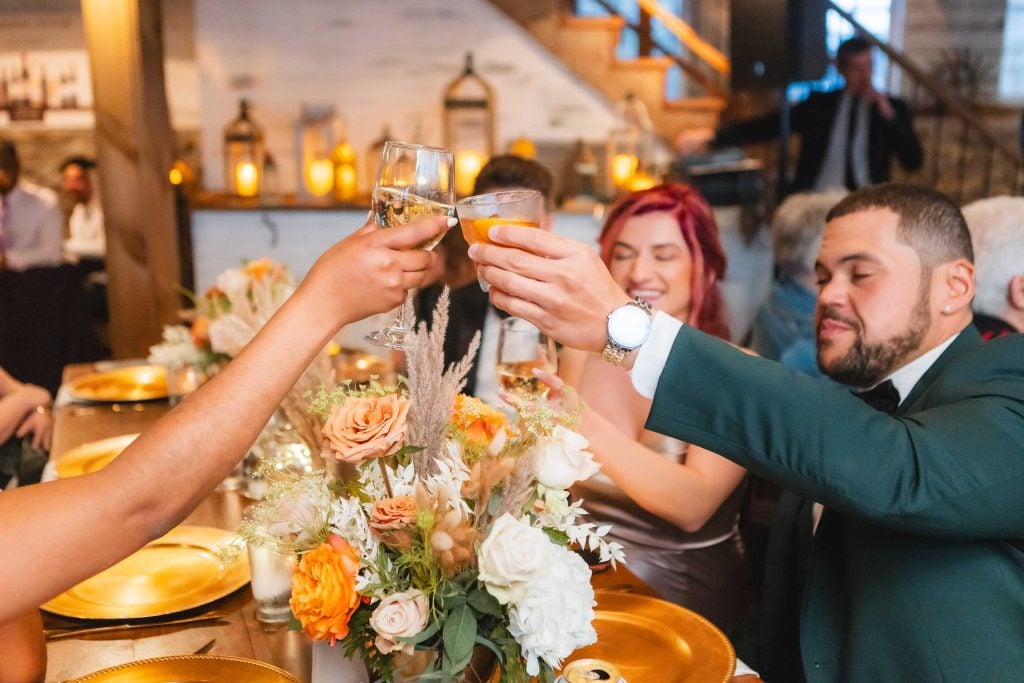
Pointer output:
x,y
917,568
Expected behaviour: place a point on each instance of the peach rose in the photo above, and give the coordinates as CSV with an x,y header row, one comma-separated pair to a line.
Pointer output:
x,y
324,596
400,615
480,422
262,267
366,427
392,520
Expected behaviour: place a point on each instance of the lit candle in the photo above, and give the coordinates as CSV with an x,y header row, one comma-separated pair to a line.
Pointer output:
x,y
623,168
468,163
247,181
345,182
640,181
320,177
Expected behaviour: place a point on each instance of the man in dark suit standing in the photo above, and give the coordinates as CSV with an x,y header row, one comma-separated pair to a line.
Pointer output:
x,y
848,137
917,570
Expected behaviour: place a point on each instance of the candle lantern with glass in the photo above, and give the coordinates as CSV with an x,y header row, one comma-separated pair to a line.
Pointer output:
x,y
244,155
630,148
315,135
469,125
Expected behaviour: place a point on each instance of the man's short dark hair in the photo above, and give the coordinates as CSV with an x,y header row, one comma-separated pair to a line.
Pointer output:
x,y
84,163
929,222
9,157
509,170
850,47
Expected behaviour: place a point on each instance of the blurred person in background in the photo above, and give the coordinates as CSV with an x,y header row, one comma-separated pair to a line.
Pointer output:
x,y
30,218
86,237
673,505
471,311
997,231
784,327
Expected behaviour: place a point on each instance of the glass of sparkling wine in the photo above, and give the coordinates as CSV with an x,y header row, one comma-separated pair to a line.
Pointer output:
x,y
413,182
521,348
477,214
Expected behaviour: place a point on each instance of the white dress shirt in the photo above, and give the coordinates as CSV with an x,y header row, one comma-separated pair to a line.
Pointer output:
x,y
32,225
486,388
832,175
87,238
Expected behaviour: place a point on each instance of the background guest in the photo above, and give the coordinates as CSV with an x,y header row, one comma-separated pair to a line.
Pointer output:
x,y
784,327
30,218
86,235
471,312
997,231
674,506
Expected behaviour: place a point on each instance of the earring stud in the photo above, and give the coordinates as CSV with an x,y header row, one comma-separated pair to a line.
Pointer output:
x,y
945,309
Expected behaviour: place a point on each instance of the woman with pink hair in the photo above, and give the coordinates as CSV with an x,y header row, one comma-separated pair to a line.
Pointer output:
x,y
674,506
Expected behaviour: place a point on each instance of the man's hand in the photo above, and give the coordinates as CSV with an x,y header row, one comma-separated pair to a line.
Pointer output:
x,y
881,102
371,270
558,284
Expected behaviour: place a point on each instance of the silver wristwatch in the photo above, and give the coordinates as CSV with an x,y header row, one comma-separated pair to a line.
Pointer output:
x,y
629,326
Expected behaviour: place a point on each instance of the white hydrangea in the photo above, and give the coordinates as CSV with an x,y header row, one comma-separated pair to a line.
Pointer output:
x,y
176,350
556,616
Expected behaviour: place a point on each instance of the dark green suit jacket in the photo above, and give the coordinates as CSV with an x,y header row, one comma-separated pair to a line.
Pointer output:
x,y
917,571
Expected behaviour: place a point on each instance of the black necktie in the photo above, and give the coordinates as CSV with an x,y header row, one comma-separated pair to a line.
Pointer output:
x,y
851,133
884,397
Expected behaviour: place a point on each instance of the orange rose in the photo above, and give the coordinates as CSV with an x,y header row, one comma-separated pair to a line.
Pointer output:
x,y
201,332
479,421
364,428
392,520
261,268
324,596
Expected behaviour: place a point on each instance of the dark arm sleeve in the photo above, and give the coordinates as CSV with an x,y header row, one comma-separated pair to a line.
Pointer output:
x,y
902,139
955,470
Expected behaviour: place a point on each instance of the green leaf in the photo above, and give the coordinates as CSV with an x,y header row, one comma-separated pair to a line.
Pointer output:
x,y
557,537
492,647
421,636
459,635
484,603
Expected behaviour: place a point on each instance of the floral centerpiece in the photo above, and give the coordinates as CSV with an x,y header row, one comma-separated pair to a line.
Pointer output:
x,y
455,533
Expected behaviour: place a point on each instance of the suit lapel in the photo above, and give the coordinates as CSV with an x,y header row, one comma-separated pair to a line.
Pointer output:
x,y
966,340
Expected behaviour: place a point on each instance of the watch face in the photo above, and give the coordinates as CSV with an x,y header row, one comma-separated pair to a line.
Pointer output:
x,y
629,326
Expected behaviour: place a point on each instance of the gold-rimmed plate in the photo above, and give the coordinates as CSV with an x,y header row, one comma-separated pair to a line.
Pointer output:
x,y
206,668
132,383
174,573
91,456
649,639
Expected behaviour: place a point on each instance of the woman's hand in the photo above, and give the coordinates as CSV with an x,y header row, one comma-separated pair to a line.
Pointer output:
x,y
39,424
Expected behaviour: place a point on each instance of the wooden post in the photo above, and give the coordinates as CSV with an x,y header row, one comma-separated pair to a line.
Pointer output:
x,y
134,150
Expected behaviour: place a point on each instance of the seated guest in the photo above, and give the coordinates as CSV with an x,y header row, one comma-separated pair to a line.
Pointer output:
x,y
30,218
25,430
470,310
784,328
673,505
92,521
86,236
997,231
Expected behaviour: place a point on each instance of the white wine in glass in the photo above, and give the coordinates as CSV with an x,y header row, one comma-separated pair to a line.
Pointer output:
x,y
522,348
413,182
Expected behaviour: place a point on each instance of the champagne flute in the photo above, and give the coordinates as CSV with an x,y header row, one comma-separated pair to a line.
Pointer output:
x,y
413,182
477,214
521,349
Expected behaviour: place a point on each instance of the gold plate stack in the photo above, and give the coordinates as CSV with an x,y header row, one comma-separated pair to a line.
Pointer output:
x,y
177,572
212,668
648,639
91,456
134,383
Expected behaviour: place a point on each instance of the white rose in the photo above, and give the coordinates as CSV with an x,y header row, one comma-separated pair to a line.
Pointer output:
x,y
510,556
233,283
399,615
229,334
561,461
556,615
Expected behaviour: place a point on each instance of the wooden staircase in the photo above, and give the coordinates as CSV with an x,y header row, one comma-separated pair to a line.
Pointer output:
x,y
587,46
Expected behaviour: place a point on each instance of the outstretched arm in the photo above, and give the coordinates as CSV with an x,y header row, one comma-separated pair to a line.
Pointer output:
x,y
54,535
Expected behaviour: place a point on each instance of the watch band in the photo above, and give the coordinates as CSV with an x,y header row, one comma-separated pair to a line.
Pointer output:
x,y
614,352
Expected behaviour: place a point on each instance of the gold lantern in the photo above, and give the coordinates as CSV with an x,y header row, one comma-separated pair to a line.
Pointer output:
x,y
469,125
315,141
244,155
629,149
345,180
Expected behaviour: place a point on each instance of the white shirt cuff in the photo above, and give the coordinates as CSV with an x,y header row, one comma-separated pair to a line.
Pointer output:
x,y
653,355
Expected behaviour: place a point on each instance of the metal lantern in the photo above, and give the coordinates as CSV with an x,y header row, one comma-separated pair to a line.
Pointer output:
x,y
315,133
469,125
244,155
629,149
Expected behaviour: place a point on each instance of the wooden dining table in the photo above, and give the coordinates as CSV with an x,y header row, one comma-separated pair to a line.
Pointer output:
x,y
237,632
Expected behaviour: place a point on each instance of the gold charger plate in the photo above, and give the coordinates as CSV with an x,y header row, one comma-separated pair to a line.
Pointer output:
x,y
655,641
206,668
133,383
174,573
91,456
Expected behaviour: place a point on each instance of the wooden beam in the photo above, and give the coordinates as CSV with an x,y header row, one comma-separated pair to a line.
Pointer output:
x,y
134,150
